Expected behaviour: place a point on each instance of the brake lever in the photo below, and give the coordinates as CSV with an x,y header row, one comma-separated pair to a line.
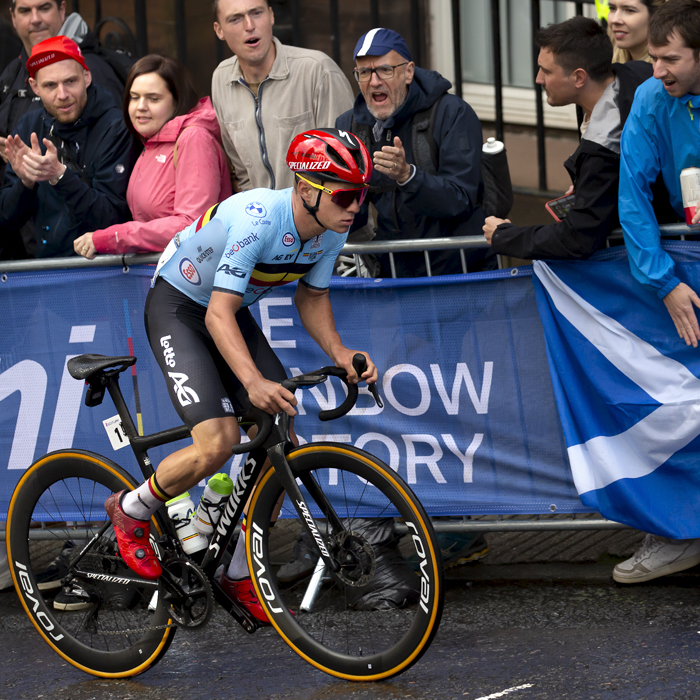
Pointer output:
x,y
375,394
359,364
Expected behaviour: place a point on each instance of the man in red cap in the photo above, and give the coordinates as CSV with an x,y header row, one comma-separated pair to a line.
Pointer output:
x,y
34,21
69,163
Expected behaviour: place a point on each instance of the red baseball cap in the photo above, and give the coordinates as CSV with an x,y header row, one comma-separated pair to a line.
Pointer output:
x,y
53,50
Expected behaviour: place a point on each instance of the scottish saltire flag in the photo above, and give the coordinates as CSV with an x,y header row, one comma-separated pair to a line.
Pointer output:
x,y
627,390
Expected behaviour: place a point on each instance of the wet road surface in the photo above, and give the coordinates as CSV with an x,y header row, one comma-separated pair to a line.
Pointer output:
x,y
532,638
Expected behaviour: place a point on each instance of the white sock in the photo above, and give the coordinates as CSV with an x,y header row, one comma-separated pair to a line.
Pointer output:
x,y
144,500
238,568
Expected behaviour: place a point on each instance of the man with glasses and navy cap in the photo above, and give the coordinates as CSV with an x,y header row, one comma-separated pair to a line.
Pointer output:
x,y
426,149
426,182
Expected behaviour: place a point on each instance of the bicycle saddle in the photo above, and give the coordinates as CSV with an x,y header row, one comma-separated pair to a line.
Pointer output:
x,y
91,366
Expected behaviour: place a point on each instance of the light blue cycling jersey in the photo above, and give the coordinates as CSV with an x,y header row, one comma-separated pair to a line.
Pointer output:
x,y
247,245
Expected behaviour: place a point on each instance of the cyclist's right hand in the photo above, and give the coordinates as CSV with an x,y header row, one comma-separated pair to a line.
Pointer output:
x,y
271,397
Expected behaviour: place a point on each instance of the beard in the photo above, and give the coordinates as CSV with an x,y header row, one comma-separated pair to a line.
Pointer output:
x,y
395,99
73,115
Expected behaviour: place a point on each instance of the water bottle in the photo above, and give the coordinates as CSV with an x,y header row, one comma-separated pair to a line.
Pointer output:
x,y
212,503
493,146
181,511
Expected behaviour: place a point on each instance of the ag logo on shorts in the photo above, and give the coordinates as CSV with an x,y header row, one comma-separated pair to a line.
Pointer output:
x,y
185,395
256,209
189,272
288,239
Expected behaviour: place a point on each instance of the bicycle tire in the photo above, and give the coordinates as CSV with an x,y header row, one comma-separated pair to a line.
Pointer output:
x,y
118,635
348,644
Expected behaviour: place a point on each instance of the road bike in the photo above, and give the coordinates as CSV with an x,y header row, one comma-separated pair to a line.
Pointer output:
x,y
325,489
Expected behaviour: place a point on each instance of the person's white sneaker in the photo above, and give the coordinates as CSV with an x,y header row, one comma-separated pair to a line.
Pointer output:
x,y
658,556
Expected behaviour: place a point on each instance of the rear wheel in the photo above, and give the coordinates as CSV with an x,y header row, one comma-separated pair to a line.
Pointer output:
x,y
337,633
105,628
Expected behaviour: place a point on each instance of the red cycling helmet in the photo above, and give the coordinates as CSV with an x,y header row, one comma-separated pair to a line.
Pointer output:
x,y
330,154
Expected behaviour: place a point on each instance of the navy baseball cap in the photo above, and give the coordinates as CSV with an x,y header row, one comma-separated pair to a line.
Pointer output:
x,y
377,42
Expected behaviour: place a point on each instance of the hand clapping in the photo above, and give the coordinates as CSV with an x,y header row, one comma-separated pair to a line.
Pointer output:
x,y
30,165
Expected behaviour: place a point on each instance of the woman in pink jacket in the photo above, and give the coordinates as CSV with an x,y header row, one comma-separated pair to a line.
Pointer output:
x,y
182,170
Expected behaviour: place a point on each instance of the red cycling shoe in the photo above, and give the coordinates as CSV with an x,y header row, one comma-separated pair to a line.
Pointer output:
x,y
243,592
132,538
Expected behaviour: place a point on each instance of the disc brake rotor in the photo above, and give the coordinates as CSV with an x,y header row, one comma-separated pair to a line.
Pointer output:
x,y
356,557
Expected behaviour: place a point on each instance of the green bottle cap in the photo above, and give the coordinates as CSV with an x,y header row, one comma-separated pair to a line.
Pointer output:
x,y
221,484
178,498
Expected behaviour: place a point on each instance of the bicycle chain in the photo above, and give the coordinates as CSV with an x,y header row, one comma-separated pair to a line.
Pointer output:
x,y
153,628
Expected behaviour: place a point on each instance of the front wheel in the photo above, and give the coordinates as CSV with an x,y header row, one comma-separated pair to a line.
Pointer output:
x,y
103,627
334,630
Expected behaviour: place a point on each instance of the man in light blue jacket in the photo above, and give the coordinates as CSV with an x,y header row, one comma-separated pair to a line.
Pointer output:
x,y
662,136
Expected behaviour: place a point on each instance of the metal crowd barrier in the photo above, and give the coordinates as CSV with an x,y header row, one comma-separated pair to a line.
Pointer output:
x,y
477,524
424,245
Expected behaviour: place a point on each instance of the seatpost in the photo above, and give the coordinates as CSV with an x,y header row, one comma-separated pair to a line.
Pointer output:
x,y
118,399
135,442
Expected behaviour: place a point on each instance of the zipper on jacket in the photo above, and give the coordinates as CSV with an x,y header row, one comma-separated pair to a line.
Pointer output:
x,y
261,131
394,203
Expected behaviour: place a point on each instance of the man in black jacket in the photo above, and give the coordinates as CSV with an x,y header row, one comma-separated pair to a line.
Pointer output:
x,y
34,21
69,163
426,148
575,67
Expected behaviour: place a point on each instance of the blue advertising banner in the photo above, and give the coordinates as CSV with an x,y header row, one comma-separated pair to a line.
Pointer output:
x,y
469,418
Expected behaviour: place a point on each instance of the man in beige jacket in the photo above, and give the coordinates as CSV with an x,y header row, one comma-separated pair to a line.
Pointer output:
x,y
268,92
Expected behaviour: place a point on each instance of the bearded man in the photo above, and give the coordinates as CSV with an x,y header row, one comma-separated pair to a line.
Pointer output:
x,y
68,163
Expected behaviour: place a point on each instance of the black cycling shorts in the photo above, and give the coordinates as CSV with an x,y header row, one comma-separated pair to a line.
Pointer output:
x,y
200,383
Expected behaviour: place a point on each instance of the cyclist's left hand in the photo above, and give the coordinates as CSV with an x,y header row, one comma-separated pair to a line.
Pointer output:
x,y
344,360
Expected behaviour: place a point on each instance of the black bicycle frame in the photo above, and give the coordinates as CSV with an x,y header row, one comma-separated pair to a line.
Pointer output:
x,y
275,448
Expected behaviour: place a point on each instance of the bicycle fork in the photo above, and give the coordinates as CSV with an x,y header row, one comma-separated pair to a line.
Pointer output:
x,y
284,472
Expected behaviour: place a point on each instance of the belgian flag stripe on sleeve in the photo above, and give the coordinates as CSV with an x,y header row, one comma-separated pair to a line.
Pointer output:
x,y
208,216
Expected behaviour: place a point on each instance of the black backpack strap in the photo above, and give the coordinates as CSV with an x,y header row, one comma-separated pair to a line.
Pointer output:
x,y
363,132
425,148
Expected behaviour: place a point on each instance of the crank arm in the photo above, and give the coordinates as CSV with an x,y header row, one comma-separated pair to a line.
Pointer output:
x,y
172,584
237,612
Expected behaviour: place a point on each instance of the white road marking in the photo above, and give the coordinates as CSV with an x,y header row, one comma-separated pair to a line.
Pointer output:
x,y
507,691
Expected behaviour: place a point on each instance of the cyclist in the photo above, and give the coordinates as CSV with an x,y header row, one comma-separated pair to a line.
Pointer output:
x,y
214,357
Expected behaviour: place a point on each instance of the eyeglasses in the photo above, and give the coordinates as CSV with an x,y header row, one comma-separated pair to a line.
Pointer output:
x,y
343,198
362,75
